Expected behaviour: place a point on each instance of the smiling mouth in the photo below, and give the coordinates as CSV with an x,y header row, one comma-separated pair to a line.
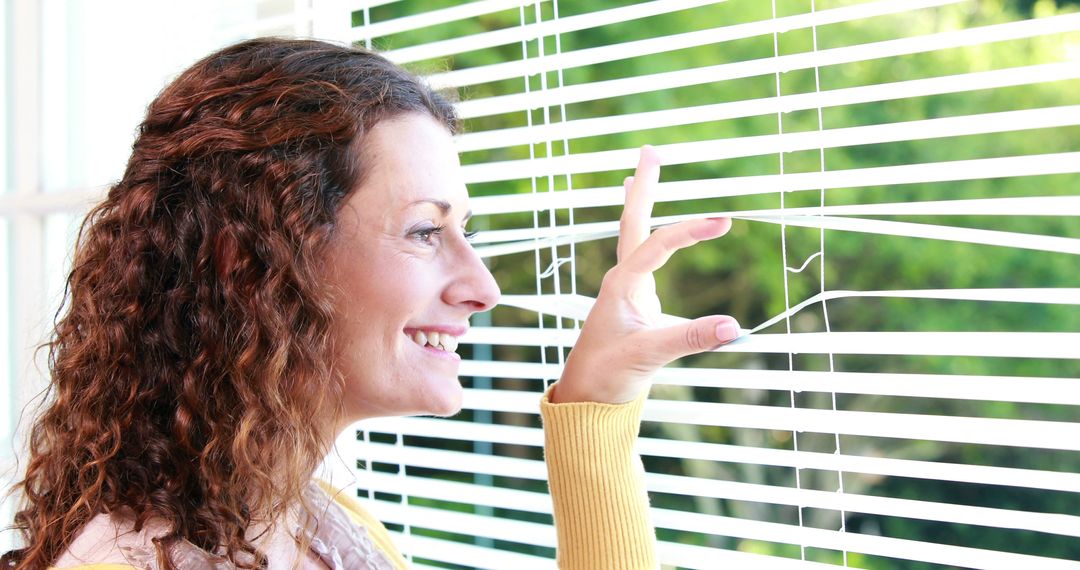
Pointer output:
x,y
438,340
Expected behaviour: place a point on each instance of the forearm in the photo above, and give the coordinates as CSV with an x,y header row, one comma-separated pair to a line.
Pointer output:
x,y
597,485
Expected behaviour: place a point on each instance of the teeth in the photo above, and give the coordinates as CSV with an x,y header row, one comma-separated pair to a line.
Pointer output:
x,y
441,341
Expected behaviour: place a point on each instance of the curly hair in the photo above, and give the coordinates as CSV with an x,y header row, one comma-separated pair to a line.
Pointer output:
x,y
194,347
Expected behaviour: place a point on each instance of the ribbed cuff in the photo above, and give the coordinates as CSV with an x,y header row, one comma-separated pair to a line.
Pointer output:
x,y
597,485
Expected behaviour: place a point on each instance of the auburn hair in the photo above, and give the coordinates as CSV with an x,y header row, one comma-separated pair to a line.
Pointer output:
x,y
193,348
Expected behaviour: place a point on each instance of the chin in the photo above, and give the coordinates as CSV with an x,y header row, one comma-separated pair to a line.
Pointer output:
x,y
445,404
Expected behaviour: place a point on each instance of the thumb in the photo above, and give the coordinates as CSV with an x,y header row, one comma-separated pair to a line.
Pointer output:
x,y
692,337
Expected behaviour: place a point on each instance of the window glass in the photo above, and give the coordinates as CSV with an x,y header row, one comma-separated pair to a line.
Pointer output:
x,y
7,405
60,231
4,134
6,409
102,64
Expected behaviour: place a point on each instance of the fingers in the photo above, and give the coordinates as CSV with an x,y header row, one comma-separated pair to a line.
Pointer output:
x,y
637,211
664,242
692,337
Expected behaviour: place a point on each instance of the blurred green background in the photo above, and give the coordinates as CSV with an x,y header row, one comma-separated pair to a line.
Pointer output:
x,y
742,274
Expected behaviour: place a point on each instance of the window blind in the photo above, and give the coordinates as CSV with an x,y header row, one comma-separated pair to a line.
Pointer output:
x,y
903,178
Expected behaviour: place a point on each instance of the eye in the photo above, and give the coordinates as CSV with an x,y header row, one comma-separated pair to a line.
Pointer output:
x,y
426,235
469,235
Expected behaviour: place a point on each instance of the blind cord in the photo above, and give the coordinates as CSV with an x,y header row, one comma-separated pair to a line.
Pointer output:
x,y
784,273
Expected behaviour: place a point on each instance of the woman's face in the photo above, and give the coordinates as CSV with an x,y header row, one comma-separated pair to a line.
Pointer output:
x,y
404,277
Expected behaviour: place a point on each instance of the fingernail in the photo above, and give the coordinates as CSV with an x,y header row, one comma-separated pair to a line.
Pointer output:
x,y
627,181
727,331
714,228
648,148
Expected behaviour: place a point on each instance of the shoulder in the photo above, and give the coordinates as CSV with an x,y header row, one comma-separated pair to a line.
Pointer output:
x,y
110,542
360,517
352,507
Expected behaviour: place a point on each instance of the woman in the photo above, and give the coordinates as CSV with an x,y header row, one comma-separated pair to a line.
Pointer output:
x,y
286,254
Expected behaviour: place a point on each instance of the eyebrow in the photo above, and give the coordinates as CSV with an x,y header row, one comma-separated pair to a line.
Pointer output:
x,y
443,206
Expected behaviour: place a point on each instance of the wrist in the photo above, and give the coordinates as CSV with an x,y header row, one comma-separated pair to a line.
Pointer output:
x,y
572,389
563,393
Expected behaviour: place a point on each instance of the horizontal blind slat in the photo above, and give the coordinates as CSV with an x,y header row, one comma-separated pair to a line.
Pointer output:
x,y
854,542
683,555
552,96
458,492
1052,523
597,126
504,498
450,460
1039,390
743,528
535,30
463,523
436,17
1016,240
471,555
986,431
741,147
931,172
1026,206
783,458
704,558
625,50
1039,434
373,3
886,466
974,236
995,344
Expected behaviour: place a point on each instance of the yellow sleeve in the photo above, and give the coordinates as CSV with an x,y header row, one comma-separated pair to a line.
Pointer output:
x,y
597,485
359,515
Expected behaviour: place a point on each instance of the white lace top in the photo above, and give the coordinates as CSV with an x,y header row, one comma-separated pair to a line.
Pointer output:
x,y
336,543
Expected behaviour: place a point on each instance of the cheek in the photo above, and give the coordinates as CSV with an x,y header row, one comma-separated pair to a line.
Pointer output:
x,y
371,286
375,305
398,293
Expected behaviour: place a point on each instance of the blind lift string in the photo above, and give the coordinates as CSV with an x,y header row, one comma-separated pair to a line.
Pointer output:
x,y
784,272
536,244
553,222
821,278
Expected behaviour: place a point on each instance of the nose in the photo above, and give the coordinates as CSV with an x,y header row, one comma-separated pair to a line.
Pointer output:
x,y
473,285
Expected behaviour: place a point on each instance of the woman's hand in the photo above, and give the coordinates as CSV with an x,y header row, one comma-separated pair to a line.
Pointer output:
x,y
621,345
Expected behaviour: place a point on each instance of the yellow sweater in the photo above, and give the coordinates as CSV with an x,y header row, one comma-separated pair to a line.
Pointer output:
x,y
596,482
